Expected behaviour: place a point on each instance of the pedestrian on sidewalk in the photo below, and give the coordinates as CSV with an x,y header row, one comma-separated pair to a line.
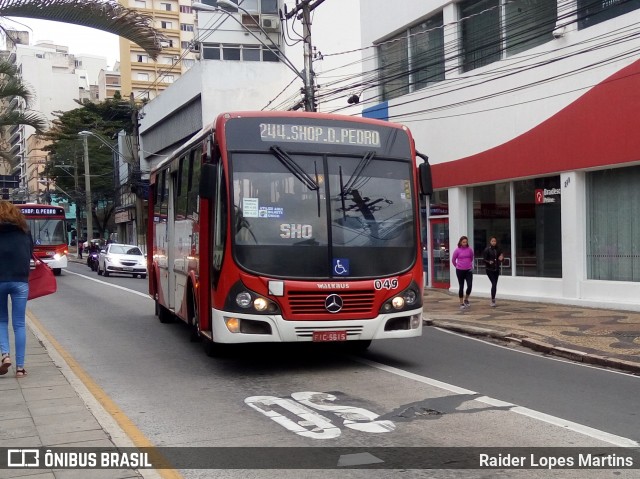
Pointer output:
x,y
80,248
16,248
493,258
462,259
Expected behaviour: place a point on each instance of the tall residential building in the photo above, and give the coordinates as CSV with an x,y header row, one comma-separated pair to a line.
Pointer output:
x,y
56,78
141,75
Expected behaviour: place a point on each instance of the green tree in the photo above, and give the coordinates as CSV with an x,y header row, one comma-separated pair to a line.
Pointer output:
x,y
66,154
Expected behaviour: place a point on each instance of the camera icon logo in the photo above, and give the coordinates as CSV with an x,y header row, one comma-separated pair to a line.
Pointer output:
x,y
23,458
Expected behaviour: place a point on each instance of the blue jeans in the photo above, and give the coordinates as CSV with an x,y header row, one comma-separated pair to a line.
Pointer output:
x,y
18,292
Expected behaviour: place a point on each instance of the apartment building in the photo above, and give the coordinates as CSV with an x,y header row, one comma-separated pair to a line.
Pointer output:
x,y
528,113
141,75
57,79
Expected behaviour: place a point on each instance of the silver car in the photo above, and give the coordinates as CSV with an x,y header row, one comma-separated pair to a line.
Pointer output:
x,y
122,259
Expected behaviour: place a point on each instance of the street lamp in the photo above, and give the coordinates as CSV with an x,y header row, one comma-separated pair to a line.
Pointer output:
x,y
87,185
215,8
104,142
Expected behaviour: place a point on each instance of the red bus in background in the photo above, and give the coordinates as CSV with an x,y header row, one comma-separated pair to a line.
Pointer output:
x,y
48,227
289,227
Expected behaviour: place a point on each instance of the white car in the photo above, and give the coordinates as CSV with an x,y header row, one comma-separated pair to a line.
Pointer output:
x,y
122,259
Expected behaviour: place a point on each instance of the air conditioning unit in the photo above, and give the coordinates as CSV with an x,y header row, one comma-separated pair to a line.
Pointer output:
x,y
270,23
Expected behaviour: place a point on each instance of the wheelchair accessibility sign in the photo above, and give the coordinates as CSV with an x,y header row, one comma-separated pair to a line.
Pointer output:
x,y
341,266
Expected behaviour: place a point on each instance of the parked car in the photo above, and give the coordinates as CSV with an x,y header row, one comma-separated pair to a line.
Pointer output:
x,y
122,259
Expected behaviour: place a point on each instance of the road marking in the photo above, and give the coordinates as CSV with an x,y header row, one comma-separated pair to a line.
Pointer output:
x,y
120,428
144,295
540,416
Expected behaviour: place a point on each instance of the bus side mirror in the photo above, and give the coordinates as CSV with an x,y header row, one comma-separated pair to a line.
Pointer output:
x,y
426,182
207,181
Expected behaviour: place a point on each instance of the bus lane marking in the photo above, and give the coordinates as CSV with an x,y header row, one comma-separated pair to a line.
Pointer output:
x,y
310,423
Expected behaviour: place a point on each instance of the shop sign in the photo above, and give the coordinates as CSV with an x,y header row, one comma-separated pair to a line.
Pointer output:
x,y
122,217
544,195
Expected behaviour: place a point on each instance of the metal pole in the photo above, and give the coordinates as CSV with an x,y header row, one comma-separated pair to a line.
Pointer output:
x,y
140,225
308,59
87,187
75,181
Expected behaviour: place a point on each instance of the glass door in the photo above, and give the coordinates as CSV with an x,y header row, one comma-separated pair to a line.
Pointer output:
x,y
440,271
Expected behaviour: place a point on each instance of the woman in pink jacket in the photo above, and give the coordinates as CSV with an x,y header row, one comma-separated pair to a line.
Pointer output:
x,y
462,259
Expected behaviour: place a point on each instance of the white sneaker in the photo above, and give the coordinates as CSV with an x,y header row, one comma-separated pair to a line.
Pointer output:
x,y
493,304
462,307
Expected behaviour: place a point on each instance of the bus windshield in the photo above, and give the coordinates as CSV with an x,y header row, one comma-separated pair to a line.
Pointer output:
x,y
296,218
47,232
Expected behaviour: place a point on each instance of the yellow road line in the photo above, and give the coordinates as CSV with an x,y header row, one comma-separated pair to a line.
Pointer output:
x,y
131,430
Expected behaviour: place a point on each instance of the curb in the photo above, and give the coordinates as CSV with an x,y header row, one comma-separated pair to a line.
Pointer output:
x,y
539,346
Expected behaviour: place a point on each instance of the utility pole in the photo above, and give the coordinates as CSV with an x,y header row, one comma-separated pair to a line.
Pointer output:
x,y
75,184
304,8
140,230
87,187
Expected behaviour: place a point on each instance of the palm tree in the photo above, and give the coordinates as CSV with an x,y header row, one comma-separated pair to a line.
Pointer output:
x,y
105,15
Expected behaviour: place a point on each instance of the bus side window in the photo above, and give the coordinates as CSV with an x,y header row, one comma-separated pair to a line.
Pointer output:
x,y
195,161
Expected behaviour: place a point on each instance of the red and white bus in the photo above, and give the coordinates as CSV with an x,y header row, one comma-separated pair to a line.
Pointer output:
x,y
48,227
289,227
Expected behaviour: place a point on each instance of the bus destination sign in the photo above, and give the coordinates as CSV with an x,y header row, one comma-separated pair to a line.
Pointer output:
x,y
334,135
40,211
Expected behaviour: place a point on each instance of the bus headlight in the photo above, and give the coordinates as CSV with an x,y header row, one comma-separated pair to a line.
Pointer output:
x,y
243,299
260,304
398,302
410,296
406,299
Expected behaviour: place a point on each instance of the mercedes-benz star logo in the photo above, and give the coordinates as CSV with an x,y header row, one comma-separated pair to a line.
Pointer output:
x,y
333,303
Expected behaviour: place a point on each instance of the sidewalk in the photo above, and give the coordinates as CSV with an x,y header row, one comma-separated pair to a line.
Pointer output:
x,y
609,338
48,408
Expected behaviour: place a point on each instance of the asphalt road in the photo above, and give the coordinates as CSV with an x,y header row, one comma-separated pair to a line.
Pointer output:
x,y
423,392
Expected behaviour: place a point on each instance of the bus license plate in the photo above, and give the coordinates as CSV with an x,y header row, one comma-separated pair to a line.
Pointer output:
x,y
329,335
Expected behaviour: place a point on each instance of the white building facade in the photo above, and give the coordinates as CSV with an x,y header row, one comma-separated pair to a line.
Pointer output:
x,y
49,70
528,113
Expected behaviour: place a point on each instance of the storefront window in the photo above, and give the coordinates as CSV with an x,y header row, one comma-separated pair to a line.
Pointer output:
x,y
613,205
491,218
538,232
439,203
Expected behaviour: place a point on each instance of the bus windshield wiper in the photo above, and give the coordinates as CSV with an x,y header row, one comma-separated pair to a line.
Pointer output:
x,y
357,173
294,168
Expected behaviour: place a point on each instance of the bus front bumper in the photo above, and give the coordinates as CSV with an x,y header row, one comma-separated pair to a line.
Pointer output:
x,y
57,262
273,329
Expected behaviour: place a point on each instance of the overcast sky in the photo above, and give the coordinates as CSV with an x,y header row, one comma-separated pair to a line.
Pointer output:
x,y
78,39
